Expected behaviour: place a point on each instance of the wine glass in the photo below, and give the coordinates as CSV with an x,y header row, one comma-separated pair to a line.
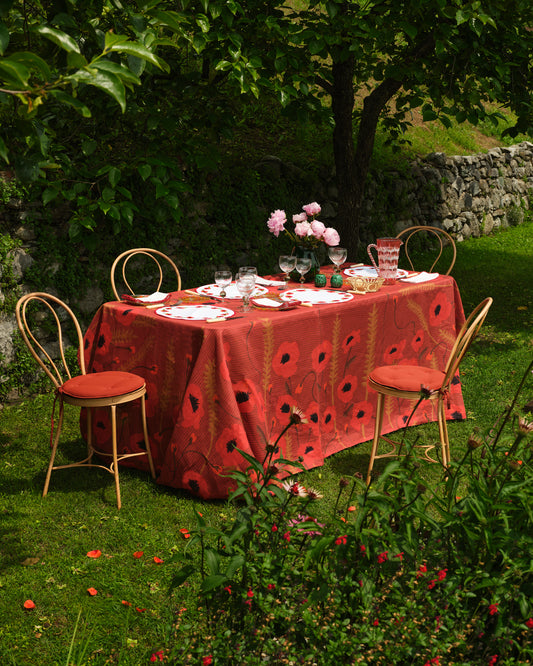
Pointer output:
x,y
223,280
338,256
287,263
303,264
245,284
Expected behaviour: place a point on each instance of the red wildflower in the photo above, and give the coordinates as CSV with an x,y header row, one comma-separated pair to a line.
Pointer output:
x,y
493,609
250,594
125,603
442,574
287,537
341,539
228,589
362,548
400,555
376,622
274,528
529,623
158,560
422,569
94,553
493,660
137,554
157,656
29,604
185,533
383,557
92,591
206,661
351,508
432,584
140,610
271,586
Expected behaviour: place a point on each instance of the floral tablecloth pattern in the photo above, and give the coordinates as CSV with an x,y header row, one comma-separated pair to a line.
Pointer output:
x,y
214,388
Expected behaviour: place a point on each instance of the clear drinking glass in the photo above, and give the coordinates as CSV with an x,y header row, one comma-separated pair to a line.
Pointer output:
x,y
245,284
287,263
338,256
223,280
303,265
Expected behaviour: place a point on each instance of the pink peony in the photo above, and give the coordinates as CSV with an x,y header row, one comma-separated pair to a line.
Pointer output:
x,y
276,223
302,229
301,217
331,237
318,228
312,209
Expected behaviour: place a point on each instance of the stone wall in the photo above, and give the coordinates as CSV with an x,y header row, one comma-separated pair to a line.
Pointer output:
x,y
465,195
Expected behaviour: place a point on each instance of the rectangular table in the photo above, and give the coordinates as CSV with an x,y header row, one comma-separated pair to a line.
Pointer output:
x,y
215,387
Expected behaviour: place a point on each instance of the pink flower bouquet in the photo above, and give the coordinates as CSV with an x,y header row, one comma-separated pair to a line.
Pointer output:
x,y
308,231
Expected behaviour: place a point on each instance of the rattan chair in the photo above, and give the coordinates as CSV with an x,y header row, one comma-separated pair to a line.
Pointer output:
x,y
443,238
100,389
409,382
159,258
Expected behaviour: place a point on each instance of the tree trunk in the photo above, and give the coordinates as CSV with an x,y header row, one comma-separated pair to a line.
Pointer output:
x,y
352,162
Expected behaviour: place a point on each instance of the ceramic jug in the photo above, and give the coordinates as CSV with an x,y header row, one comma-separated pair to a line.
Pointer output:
x,y
388,253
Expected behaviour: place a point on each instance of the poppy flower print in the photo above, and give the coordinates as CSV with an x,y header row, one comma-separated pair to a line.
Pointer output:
x,y
284,407
394,353
417,341
328,419
285,361
346,388
229,440
320,356
362,414
192,406
439,310
353,338
313,418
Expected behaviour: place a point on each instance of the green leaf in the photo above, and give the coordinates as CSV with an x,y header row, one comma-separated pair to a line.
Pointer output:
x,y
114,176
58,37
135,49
65,98
3,151
172,20
4,38
182,575
144,170
123,73
211,582
106,81
32,62
17,74
49,195
212,560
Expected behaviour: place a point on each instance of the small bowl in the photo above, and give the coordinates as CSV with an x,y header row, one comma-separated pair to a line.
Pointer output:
x,y
362,285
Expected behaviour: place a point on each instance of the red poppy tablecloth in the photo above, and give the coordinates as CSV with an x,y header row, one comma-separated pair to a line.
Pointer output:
x,y
215,387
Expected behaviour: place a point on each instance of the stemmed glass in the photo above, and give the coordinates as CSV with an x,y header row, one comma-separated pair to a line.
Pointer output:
x,y
245,284
303,264
223,280
338,256
287,263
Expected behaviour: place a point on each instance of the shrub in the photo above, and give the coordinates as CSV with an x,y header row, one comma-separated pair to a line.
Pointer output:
x,y
399,573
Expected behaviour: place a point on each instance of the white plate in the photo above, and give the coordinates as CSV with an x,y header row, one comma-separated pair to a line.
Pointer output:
x,y
194,312
231,292
370,271
318,296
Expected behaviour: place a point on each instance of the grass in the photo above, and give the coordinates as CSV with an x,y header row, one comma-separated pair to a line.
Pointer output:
x,y
44,542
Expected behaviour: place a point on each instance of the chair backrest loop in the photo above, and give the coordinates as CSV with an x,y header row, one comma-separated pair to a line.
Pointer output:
x,y
159,258
441,235
32,329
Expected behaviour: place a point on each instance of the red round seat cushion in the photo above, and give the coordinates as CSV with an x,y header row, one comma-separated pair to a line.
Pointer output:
x,y
408,377
102,384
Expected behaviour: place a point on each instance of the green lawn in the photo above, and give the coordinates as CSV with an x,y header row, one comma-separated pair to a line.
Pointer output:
x,y
44,542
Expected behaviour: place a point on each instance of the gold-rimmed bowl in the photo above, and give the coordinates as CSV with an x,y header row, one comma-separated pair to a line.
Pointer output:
x,y
361,284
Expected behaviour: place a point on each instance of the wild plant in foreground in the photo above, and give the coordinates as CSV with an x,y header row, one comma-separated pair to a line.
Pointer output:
x,y
400,573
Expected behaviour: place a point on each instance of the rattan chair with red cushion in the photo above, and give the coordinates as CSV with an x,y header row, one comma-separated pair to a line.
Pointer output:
x,y
160,259
100,389
411,382
442,239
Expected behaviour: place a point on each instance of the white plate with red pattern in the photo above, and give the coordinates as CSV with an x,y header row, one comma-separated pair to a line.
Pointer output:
x,y
195,312
316,296
231,292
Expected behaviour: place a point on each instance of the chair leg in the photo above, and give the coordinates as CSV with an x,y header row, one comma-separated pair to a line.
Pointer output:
x,y
90,449
54,449
146,438
443,433
115,455
377,433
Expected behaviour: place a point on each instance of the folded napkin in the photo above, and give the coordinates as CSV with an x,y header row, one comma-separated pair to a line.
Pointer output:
x,y
421,277
267,302
156,297
269,283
